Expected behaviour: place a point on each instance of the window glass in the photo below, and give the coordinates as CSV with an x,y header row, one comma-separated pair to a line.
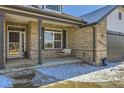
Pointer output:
x,y
48,40
57,36
16,28
57,44
13,37
14,48
53,7
52,39
120,15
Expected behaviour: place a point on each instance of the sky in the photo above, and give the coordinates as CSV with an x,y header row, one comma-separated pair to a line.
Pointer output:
x,y
78,10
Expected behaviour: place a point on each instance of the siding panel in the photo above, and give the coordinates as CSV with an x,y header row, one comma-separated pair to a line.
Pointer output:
x,y
115,47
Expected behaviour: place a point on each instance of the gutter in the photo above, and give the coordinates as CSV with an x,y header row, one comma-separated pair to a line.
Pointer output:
x,y
86,25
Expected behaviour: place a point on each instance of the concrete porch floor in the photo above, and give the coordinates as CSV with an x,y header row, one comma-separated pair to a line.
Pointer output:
x,y
22,63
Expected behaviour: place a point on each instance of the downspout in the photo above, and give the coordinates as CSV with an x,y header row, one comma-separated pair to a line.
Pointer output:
x,y
94,45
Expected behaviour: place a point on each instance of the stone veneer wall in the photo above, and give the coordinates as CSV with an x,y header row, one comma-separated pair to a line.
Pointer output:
x,y
32,40
81,43
101,42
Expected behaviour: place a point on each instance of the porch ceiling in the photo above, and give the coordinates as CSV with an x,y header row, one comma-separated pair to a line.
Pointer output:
x,y
26,20
18,19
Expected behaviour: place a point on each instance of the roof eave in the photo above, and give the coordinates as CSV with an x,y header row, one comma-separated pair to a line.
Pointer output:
x,y
106,15
78,20
101,19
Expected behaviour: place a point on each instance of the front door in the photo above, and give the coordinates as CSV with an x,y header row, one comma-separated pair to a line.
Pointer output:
x,y
16,44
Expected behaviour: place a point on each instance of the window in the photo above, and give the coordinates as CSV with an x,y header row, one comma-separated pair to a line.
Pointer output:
x,y
54,7
120,16
53,39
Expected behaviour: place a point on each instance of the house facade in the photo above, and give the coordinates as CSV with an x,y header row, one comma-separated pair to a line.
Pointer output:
x,y
115,34
39,32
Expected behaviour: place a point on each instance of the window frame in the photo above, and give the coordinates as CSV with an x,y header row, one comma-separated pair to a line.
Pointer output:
x,y
53,10
119,15
53,31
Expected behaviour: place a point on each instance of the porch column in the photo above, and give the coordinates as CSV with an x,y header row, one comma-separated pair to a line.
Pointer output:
x,y
1,40
40,40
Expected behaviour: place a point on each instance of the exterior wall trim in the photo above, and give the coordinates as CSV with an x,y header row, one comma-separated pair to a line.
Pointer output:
x,y
115,33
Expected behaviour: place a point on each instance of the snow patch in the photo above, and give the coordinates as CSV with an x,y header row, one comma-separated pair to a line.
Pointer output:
x,y
83,73
5,81
65,71
41,79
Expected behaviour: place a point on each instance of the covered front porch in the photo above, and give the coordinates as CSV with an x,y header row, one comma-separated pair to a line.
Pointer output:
x,y
29,41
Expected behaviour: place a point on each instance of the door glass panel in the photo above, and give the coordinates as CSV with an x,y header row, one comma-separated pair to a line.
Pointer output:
x,y
14,49
13,37
13,43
